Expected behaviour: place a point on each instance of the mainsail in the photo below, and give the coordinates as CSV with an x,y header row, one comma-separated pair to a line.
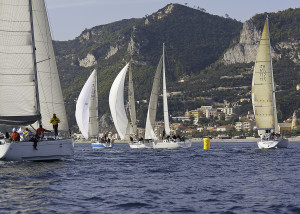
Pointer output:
x,y
87,108
26,51
263,92
165,99
131,103
152,108
116,103
151,115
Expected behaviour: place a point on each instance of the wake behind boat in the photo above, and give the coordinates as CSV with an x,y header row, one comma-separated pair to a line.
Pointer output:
x,y
263,96
30,86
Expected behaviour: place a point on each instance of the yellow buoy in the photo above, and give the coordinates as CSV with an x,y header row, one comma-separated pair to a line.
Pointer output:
x,y
206,144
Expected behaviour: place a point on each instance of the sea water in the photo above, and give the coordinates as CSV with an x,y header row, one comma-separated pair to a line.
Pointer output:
x,y
228,178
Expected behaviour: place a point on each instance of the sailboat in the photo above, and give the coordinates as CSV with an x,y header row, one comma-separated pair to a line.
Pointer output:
x,y
30,88
86,113
263,96
126,129
163,143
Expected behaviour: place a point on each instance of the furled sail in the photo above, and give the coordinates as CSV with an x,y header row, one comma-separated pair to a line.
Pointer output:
x,y
87,108
151,115
263,94
165,99
116,103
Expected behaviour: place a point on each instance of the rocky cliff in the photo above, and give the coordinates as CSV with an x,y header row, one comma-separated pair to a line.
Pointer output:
x,y
245,50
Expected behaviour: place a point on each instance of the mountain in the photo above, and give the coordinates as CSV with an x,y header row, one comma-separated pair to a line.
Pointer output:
x,y
210,52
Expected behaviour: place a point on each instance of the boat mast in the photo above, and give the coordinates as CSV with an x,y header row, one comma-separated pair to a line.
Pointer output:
x,y
35,65
165,99
272,82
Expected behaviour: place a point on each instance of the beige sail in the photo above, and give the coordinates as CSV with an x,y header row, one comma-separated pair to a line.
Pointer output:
x,y
263,94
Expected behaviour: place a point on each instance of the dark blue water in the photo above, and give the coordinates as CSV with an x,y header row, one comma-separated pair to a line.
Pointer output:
x,y
229,178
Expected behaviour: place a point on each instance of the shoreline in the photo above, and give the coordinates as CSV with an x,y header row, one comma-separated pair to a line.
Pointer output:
x,y
200,140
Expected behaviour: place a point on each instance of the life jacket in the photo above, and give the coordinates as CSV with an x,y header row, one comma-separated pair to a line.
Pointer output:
x,y
15,136
54,121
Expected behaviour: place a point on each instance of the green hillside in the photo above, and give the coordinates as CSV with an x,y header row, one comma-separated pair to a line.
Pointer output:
x,y
195,43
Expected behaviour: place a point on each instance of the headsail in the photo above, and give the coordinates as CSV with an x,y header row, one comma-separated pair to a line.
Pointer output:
x,y
87,107
50,93
116,103
263,93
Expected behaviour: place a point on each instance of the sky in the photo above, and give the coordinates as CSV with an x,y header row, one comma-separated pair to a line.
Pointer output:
x,y
68,18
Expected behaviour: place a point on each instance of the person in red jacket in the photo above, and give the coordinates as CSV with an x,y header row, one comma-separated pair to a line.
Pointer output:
x,y
15,135
40,132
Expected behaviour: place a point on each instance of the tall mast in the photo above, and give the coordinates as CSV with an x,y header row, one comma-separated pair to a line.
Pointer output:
x,y
275,128
34,64
165,99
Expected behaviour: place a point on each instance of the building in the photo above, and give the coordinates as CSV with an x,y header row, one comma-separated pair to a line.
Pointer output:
x,y
227,110
213,113
224,128
245,125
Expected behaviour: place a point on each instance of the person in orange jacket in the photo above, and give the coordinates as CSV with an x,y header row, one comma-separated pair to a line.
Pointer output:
x,y
15,135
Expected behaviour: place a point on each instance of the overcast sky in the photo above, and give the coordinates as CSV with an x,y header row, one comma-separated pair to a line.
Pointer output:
x,y
68,18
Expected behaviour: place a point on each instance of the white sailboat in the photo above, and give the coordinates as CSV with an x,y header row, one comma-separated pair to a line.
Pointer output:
x,y
263,96
166,143
124,127
30,88
86,113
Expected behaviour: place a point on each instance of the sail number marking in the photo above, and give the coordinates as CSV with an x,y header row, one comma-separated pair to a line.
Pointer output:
x,y
263,73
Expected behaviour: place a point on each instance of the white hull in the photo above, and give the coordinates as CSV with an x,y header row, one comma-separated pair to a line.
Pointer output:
x,y
140,145
166,144
270,144
46,150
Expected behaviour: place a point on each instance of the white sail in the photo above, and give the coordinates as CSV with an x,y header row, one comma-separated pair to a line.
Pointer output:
x,y
86,99
93,110
50,93
165,99
151,115
131,103
263,94
116,103
17,82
